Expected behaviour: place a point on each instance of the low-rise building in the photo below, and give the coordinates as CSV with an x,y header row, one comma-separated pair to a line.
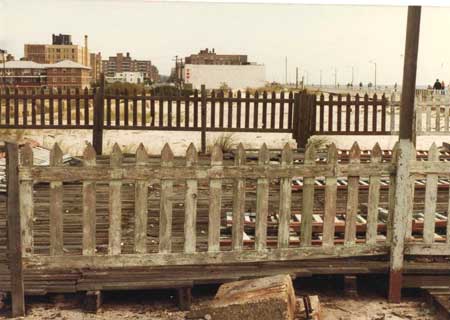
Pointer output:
x,y
129,77
230,76
28,74
211,57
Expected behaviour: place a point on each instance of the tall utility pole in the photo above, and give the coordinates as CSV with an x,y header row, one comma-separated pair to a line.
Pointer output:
x,y
335,77
375,76
296,78
403,187
320,82
285,70
353,73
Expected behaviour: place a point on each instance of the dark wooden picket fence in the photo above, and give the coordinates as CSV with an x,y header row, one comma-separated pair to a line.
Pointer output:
x,y
301,114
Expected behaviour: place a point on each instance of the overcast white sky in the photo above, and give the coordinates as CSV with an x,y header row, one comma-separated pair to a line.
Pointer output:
x,y
313,37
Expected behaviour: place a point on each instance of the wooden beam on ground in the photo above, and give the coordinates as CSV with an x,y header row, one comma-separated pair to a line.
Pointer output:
x,y
184,297
92,301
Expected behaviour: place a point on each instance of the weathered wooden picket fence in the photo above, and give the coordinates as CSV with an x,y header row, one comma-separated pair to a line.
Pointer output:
x,y
208,180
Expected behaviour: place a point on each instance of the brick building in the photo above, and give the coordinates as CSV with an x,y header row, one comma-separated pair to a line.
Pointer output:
x,y
29,74
61,49
124,63
96,66
210,57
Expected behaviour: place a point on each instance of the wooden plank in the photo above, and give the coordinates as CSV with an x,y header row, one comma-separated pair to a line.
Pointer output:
x,y
117,107
308,199
402,203
16,108
238,110
391,195
14,229
264,115
56,203
430,199
285,199
428,115
40,174
77,108
215,202
41,107
221,108
144,109
352,198
212,122
60,107
238,203
165,218
256,111
374,198
262,202
273,109
26,203
115,204
281,115
339,113
230,109
190,204
366,113
412,185
392,114
330,112
330,200
357,104
85,105
374,112
348,112
383,113
89,205
141,205
202,258
247,110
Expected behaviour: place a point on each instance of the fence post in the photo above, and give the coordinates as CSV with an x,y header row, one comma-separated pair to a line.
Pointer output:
x,y
296,117
403,199
14,233
99,105
305,123
203,119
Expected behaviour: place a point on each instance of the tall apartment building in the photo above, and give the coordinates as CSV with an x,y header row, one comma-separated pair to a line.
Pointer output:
x,y
60,49
96,66
210,57
124,63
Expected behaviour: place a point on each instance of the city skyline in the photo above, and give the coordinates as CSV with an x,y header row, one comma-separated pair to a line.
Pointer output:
x,y
312,37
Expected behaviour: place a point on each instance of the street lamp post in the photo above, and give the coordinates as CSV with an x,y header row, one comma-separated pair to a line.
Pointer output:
x,y
320,82
375,82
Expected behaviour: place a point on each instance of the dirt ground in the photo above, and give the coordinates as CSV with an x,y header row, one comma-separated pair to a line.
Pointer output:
x,y
161,305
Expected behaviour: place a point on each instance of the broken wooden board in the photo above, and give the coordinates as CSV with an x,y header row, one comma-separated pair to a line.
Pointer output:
x,y
270,298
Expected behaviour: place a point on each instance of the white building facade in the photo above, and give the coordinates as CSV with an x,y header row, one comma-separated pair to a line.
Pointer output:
x,y
214,76
130,77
